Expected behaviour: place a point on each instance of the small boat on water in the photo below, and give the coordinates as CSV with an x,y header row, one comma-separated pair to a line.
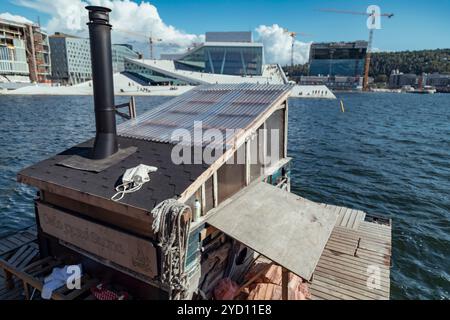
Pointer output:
x,y
424,90
133,214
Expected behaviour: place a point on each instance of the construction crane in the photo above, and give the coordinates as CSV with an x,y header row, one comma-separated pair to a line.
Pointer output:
x,y
151,40
372,14
293,35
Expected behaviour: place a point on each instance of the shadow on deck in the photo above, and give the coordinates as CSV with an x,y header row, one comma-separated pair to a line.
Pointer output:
x,y
354,265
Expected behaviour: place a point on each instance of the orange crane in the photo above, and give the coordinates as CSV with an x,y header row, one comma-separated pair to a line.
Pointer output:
x,y
372,14
293,35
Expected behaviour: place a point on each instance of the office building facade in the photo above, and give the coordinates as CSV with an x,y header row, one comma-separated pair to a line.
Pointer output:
x,y
399,80
71,58
338,59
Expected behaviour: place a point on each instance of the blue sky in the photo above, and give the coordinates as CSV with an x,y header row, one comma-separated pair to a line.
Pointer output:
x,y
416,25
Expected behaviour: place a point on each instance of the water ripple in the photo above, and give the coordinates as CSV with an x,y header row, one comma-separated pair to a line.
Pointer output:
x,y
388,154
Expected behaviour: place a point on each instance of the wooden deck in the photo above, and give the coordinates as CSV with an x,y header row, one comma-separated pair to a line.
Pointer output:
x,y
356,261
19,239
19,255
358,250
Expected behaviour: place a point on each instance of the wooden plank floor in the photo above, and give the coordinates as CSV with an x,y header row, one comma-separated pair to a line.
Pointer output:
x,y
356,250
356,261
7,244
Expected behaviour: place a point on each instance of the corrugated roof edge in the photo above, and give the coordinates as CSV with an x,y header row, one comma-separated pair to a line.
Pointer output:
x,y
126,129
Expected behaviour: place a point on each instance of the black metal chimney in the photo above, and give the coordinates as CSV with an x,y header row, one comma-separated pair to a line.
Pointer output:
x,y
102,78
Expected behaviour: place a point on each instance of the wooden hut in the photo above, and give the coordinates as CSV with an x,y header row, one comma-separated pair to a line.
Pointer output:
x,y
220,193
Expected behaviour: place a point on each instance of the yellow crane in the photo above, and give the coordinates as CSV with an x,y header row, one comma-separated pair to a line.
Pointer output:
x,y
372,14
293,35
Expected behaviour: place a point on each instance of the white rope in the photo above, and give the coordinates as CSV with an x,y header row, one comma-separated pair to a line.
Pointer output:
x,y
173,233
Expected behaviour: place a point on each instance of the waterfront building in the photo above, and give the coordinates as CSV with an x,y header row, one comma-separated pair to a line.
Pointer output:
x,y
225,57
24,53
333,82
71,58
438,80
39,47
229,36
338,59
231,53
399,80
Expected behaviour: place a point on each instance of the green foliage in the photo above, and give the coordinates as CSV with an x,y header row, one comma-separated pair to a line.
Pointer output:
x,y
382,64
417,62
381,78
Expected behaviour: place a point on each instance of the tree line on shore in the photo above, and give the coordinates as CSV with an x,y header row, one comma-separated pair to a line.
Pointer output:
x,y
383,63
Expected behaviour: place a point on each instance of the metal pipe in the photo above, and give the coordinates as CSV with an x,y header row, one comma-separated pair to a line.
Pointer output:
x,y
102,78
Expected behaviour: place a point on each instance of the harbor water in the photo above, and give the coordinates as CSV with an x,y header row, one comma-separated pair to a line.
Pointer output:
x,y
387,154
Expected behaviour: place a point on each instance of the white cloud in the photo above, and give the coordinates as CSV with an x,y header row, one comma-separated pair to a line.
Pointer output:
x,y
277,45
139,19
70,16
15,18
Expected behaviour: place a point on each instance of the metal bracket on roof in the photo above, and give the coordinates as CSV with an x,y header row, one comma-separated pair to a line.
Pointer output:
x,y
131,105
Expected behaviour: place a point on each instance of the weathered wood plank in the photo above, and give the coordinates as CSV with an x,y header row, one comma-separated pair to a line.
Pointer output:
x,y
361,279
346,217
357,267
352,277
341,275
126,250
358,292
320,287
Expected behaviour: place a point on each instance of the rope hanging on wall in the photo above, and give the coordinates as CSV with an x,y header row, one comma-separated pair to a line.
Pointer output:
x,y
173,234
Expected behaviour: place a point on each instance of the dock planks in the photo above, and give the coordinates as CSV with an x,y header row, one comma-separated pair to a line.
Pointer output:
x,y
356,261
19,239
356,247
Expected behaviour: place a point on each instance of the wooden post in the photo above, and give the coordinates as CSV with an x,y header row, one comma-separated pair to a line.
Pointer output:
x,y
286,125
203,203
264,147
26,290
247,161
9,280
215,189
284,284
132,107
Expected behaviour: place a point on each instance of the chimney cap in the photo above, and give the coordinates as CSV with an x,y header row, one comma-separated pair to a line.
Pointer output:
x,y
98,8
98,14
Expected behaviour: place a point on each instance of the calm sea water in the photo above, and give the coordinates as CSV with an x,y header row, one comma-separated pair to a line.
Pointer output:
x,y
388,154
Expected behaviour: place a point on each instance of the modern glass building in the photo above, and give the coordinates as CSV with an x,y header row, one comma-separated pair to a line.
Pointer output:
x,y
231,58
71,58
225,57
338,59
144,75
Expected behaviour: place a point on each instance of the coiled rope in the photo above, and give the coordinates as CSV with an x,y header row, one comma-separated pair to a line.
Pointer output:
x,y
173,233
